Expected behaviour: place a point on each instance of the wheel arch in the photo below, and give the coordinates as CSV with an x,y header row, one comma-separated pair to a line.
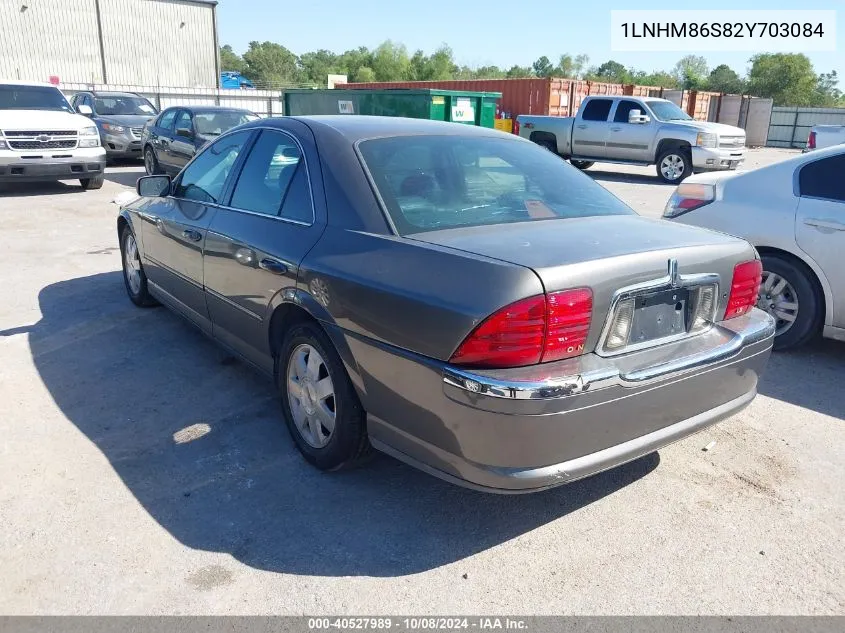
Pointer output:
x,y
816,276
671,143
543,137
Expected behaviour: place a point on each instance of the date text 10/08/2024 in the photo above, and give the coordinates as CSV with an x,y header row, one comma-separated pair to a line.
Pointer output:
x,y
417,624
722,29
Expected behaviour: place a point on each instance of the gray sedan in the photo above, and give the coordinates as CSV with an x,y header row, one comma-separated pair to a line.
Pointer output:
x,y
454,296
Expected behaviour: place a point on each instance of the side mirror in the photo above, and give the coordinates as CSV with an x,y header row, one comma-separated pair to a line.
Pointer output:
x,y
636,116
84,109
153,186
183,131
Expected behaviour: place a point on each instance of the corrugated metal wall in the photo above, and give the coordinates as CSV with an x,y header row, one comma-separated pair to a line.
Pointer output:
x,y
146,42
790,126
49,38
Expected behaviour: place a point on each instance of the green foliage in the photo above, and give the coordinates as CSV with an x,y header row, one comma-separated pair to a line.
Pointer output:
x,y
437,67
230,60
518,72
612,72
268,63
543,67
787,78
690,72
724,79
391,62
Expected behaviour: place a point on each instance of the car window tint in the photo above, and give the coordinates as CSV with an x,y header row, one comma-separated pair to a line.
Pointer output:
x,y
435,182
217,122
624,109
824,178
166,120
205,178
183,121
268,173
597,110
297,203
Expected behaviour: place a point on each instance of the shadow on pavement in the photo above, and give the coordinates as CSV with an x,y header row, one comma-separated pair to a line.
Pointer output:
x,y
47,188
644,179
199,441
124,177
810,377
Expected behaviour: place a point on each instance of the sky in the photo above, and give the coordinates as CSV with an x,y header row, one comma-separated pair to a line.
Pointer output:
x,y
482,32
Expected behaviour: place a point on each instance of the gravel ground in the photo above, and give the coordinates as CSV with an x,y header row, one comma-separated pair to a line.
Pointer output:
x,y
106,509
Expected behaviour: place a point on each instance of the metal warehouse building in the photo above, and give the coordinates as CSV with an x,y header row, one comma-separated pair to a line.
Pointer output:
x,y
138,42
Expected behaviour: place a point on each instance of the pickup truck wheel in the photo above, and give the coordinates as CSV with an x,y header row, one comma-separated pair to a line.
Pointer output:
x,y
92,183
582,164
547,145
788,293
674,165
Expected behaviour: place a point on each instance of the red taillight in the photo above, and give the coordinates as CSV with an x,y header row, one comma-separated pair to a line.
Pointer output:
x,y
811,141
744,288
534,330
516,127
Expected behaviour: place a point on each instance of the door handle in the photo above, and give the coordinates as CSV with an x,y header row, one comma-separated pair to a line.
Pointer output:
x,y
273,266
616,129
581,127
825,224
192,235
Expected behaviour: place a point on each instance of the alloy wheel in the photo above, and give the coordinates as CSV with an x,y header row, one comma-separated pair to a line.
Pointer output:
x,y
779,299
672,167
132,264
311,395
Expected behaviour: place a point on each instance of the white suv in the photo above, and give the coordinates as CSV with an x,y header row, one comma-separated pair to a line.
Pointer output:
x,y
41,138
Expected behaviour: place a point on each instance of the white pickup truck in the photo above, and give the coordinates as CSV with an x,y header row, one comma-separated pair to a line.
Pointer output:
x,y
638,131
822,136
42,139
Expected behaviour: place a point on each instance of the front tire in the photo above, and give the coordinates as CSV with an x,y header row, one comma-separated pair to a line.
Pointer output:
x,y
582,164
92,183
673,165
319,403
788,292
134,277
151,165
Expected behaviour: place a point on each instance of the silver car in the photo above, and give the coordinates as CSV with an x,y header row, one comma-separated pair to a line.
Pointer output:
x,y
454,296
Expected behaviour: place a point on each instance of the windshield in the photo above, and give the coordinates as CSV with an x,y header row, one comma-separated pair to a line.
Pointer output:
x,y
437,182
116,106
32,98
668,111
215,123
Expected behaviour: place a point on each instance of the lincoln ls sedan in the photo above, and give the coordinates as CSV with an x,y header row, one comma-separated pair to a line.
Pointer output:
x,y
454,296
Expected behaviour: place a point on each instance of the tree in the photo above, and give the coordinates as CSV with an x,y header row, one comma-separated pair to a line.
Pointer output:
x,y
724,79
391,62
611,71
787,78
690,71
658,78
579,67
270,64
827,93
518,72
316,66
566,66
439,66
363,74
230,60
350,61
543,67
489,72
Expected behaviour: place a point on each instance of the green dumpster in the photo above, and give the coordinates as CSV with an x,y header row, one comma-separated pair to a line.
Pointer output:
x,y
470,108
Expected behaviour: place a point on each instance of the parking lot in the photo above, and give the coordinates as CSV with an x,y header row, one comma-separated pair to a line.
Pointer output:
x,y
145,471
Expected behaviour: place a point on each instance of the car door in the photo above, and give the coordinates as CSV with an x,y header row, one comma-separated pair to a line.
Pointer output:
x,y
175,227
160,134
820,222
589,134
256,242
629,141
182,148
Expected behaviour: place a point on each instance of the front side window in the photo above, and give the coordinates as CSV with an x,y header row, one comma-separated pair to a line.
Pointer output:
x,y
205,178
14,97
183,121
438,182
165,122
119,105
273,180
597,110
824,178
624,109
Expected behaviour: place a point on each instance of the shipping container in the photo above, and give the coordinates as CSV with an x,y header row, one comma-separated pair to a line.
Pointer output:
x,y
472,108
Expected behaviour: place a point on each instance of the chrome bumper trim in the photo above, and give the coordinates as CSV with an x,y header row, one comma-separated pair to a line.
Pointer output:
x,y
724,341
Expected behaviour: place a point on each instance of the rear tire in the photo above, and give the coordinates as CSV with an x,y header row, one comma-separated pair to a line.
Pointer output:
x,y
134,277
304,403
787,283
92,183
546,144
673,165
582,164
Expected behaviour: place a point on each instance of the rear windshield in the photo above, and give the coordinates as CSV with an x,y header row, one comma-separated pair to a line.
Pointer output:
x,y
217,122
438,182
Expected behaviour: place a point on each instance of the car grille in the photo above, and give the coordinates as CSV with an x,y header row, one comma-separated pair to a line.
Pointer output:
x,y
136,131
27,145
731,141
32,133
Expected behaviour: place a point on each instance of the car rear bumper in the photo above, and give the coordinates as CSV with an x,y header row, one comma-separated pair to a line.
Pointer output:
x,y
705,158
532,428
73,164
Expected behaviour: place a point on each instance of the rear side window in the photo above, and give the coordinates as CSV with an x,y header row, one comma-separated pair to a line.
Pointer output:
x,y
597,110
273,179
437,182
824,178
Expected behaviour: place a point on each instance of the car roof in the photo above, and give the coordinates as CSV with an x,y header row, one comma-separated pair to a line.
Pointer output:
x,y
208,108
358,127
113,93
34,84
